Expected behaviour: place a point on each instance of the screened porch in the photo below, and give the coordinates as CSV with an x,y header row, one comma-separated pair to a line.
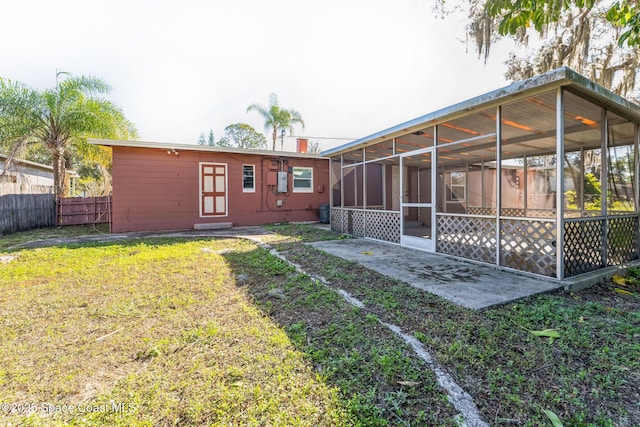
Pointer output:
x,y
542,180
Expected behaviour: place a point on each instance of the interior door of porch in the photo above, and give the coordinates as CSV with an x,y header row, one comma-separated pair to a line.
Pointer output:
x,y
418,215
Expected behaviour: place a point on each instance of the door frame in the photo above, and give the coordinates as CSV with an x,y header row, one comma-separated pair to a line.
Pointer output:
x,y
201,166
414,242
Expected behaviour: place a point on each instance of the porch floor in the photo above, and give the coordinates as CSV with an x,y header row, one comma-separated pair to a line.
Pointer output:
x,y
463,283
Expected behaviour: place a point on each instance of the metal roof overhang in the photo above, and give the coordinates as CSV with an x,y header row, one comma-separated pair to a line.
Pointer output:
x,y
561,77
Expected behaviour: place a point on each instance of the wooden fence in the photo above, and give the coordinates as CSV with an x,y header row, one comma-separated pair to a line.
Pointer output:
x,y
84,210
26,211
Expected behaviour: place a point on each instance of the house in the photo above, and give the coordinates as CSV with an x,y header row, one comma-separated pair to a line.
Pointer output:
x,y
540,177
26,177
161,186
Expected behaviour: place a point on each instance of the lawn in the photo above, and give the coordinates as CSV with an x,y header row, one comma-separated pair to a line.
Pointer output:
x,y
221,332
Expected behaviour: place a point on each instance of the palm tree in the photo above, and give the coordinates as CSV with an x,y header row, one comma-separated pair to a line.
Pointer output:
x,y
276,118
67,114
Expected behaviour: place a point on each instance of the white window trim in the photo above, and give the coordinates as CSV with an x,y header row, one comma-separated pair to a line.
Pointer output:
x,y
226,189
450,193
249,190
302,190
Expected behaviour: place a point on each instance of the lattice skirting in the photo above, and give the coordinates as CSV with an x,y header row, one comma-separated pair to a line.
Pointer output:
x,y
513,212
583,246
528,246
383,225
377,224
354,222
622,240
336,219
467,237
476,210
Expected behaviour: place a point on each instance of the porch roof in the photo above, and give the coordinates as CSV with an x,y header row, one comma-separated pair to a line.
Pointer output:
x,y
561,77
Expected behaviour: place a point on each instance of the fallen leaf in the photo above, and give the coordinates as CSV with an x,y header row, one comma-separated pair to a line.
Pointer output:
x,y
367,253
619,280
549,333
555,420
622,291
408,383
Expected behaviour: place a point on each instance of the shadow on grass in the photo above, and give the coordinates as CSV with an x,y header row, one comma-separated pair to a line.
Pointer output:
x,y
380,382
379,378
588,376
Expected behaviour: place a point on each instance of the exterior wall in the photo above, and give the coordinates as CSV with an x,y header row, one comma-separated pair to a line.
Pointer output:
x,y
153,190
26,179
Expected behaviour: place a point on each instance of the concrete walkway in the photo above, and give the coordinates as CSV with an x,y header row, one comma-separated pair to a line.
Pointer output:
x,y
469,285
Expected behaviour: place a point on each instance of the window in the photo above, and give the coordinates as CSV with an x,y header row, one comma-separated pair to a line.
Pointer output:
x,y
302,180
456,183
248,179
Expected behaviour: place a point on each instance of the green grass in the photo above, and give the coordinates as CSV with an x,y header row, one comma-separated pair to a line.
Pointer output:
x,y
290,233
589,376
196,332
220,332
158,326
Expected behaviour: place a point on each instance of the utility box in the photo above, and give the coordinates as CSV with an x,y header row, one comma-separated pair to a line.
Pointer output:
x,y
282,182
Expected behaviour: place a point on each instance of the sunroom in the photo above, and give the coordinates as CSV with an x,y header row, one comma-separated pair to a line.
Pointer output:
x,y
540,177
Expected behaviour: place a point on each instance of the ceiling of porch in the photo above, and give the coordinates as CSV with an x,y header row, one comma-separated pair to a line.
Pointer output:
x,y
528,129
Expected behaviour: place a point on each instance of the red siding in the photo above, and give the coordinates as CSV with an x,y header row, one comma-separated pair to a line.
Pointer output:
x,y
153,190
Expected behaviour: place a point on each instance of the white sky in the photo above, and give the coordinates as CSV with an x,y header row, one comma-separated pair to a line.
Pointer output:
x,y
180,68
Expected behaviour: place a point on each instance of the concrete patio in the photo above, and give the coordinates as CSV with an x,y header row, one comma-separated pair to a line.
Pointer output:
x,y
467,284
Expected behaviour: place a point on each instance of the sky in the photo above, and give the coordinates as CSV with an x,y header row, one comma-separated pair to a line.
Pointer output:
x,y
181,68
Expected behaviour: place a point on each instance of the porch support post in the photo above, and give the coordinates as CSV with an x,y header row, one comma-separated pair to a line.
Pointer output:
x,y
525,189
498,181
636,194
401,184
331,183
636,160
434,189
466,188
482,190
559,183
604,185
364,192
342,193
581,189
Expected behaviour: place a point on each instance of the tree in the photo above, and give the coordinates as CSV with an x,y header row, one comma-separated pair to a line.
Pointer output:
x,y
241,135
516,15
59,117
277,118
209,141
314,147
575,33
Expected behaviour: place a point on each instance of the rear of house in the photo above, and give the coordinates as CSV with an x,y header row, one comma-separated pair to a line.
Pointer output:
x,y
160,186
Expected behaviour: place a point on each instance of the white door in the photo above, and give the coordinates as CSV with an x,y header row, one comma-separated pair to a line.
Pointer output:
x,y
418,213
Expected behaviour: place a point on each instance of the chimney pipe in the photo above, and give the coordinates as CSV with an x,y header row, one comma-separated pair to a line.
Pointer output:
x,y
301,145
